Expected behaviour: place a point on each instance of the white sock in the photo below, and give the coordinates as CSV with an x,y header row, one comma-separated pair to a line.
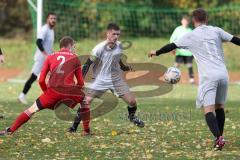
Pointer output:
x,y
22,95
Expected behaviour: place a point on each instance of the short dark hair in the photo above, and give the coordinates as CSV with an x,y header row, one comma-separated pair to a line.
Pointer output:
x,y
113,26
200,15
50,14
65,41
186,17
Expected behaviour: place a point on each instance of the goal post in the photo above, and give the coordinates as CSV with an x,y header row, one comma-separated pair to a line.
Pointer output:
x,y
38,8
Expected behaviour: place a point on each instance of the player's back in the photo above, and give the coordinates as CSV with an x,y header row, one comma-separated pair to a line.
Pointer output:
x,y
205,42
63,66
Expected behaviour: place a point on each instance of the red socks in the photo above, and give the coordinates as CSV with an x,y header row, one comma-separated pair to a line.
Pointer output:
x,y
85,116
25,116
20,120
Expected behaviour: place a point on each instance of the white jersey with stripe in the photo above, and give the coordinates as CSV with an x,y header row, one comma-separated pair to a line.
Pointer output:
x,y
205,42
106,68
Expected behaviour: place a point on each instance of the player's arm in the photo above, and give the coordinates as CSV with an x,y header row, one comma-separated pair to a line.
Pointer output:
x,y
40,38
43,75
78,74
165,49
39,43
1,57
87,65
124,67
235,40
184,43
173,38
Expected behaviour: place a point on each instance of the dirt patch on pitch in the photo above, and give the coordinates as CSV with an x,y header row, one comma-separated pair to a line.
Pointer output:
x,y
6,74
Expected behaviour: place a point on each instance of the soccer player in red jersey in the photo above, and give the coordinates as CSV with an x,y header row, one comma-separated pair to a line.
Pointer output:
x,y
61,88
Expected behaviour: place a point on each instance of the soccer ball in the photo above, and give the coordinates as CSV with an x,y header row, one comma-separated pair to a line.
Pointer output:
x,y
172,75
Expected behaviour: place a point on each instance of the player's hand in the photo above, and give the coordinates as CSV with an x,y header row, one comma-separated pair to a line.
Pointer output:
x,y
174,52
2,60
130,68
127,68
152,53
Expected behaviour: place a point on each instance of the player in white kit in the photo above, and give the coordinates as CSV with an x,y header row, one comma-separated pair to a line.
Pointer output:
x,y
107,74
205,42
45,40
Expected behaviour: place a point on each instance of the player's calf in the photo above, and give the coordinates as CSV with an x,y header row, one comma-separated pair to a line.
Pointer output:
x,y
83,114
133,118
213,125
129,98
21,119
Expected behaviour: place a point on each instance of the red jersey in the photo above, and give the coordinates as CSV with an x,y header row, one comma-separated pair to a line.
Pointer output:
x,y
63,66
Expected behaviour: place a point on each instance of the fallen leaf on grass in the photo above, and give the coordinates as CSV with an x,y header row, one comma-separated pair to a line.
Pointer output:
x,y
198,146
114,133
208,141
46,140
125,144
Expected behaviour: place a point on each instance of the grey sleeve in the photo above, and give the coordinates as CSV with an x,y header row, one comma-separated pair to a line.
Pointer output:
x,y
42,33
184,42
225,36
96,51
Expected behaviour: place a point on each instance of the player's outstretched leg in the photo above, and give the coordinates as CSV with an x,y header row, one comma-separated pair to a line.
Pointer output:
x,y
27,86
213,126
83,114
129,98
21,119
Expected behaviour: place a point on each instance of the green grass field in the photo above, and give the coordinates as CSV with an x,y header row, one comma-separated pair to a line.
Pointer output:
x,y
174,129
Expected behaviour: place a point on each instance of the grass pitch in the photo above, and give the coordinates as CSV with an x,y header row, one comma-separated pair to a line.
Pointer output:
x,y
174,130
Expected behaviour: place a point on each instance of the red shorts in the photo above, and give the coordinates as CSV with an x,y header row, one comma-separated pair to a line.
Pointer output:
x,y
51,99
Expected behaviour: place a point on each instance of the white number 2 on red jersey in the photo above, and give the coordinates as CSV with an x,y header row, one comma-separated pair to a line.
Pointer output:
x,y
62,58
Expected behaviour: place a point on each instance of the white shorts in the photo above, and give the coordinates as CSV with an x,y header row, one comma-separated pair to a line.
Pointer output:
x,y
37,67
119,88
211,93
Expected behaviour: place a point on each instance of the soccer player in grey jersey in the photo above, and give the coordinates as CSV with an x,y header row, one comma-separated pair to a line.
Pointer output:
x,y
205,42
107,74
45,40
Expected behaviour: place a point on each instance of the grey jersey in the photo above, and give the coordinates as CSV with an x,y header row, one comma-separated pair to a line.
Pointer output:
x,y
47,35
106,67
205,42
